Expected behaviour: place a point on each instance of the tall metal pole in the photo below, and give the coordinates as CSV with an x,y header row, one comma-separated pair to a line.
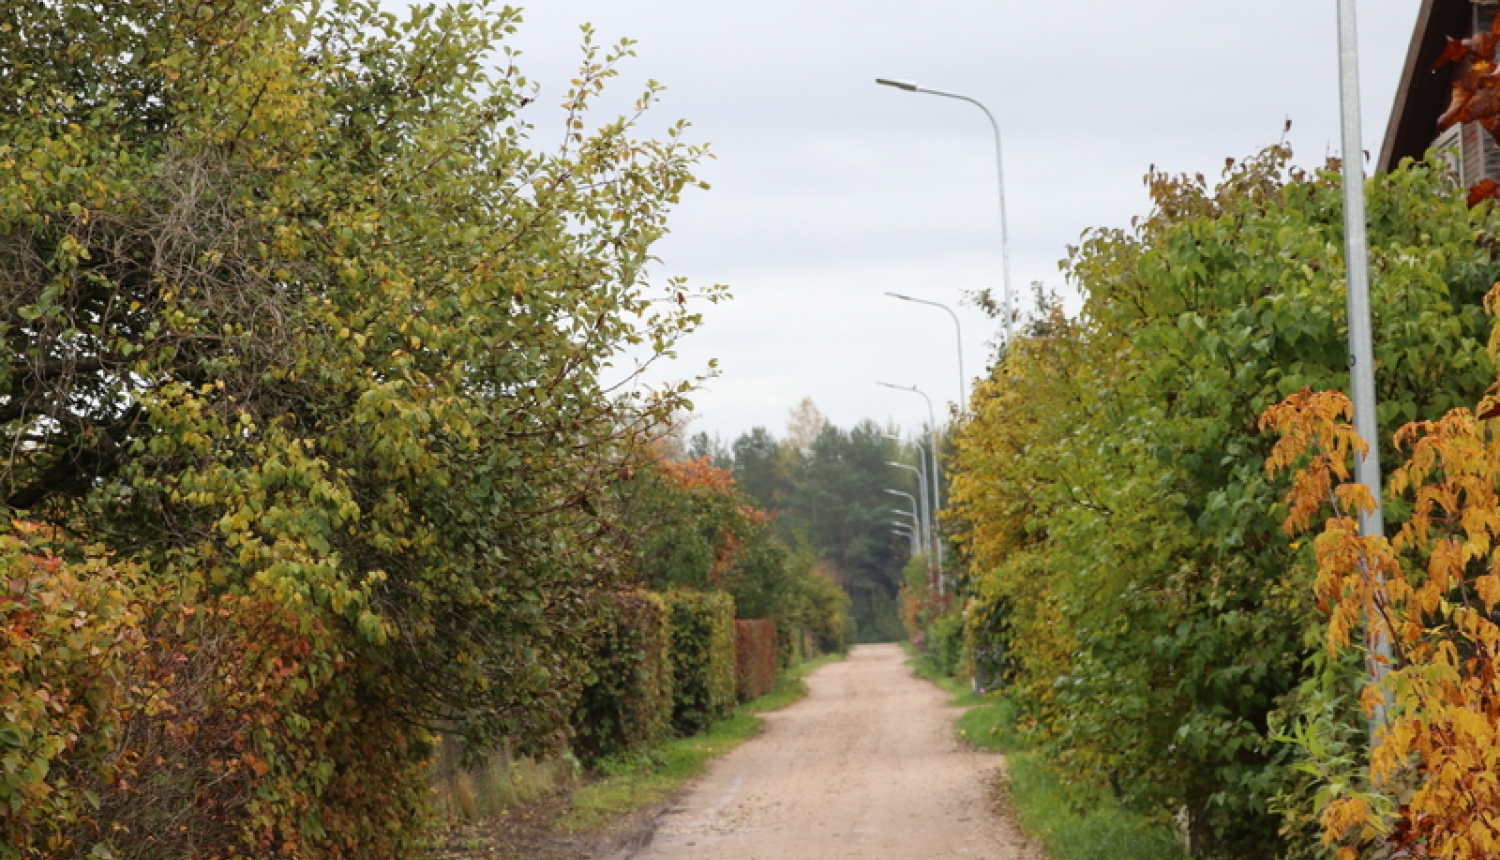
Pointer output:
x,y
937,502
922,489
999,175
922,463
1361,349
963,381
931,572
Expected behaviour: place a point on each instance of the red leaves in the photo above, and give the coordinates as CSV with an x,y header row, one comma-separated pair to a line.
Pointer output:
x,y
1490,406
1476,93
1455,51
1485,190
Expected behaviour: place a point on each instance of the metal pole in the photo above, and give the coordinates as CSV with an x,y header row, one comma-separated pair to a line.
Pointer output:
x,y
922,463
1361,349
999,174
932,455
931,573
963,381
922,489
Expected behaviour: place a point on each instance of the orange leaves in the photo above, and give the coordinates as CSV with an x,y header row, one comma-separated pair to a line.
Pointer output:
x,y
1476,94
698,473
1433,589
1485,189
1314,425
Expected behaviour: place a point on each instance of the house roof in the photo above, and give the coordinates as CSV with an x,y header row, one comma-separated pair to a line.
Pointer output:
x,y
1424,93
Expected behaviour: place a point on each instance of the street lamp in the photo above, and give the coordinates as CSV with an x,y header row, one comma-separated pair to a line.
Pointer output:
x,y
937,501
963,381
907,532
922,489
922,463
999,174
910,498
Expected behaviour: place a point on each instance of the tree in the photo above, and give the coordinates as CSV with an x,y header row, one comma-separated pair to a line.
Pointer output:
x,y
803,424
294,308
1124,540
831,495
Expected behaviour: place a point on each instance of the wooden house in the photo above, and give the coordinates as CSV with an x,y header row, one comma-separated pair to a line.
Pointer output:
x,y
1424,94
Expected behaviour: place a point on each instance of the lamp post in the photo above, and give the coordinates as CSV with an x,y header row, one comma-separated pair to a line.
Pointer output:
x,y
922,489
937,501
910,498
907,532
922,462
999,174
963,381
1361,349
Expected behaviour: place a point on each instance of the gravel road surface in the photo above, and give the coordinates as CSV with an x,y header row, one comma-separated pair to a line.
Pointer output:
x,y
866,766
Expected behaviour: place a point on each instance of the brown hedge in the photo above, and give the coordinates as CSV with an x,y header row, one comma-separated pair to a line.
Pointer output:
x,y
145,722
755,657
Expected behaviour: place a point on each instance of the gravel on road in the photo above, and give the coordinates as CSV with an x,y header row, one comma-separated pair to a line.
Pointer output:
x,y
867,765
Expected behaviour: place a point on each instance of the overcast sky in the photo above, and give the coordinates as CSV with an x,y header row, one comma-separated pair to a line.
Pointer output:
x,y
829,190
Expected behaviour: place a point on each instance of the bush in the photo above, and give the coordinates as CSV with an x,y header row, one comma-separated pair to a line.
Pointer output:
x,y
143,722
755,658
627,697
944,643
702,625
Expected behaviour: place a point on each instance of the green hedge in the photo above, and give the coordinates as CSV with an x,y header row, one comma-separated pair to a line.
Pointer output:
x,y
755,658
944,643
627,698
702,658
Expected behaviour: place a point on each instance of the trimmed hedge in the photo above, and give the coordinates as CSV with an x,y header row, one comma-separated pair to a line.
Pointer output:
x,y
702,626
755,657
626,703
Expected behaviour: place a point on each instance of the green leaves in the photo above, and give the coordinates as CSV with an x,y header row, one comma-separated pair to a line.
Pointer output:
x,y
1115,508
297,313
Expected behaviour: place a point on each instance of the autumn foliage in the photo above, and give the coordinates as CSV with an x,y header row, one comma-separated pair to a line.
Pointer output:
x,y
142,719
1432,590
1129,580
308,360
755,662
1476,93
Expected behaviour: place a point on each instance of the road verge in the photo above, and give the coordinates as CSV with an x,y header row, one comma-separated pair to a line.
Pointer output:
x,y
1069,823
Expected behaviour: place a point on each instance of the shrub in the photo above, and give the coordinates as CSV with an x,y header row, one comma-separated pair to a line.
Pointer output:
x,y
627,697
702,625
755,658
71,637
144,722
944,643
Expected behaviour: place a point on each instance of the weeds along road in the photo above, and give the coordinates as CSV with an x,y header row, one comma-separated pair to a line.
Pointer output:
x,y
866,766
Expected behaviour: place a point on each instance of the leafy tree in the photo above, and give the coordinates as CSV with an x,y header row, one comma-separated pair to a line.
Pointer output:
x,y
764,468
1431,593
1122,534
830,492
294,306
687,525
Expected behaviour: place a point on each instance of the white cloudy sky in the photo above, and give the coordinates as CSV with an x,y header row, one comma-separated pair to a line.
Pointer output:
x,y
829,190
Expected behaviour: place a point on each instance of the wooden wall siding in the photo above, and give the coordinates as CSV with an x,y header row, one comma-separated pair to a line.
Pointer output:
x,y
1423,93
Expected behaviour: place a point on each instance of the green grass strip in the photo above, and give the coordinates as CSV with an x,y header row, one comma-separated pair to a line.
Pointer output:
x,y
1066,825
635,782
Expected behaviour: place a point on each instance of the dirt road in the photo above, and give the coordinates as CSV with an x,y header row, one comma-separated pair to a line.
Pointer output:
x,y
866,766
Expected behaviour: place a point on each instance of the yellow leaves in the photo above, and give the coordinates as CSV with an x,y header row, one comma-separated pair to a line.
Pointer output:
x,y
1488,589
1442,746
1343,818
